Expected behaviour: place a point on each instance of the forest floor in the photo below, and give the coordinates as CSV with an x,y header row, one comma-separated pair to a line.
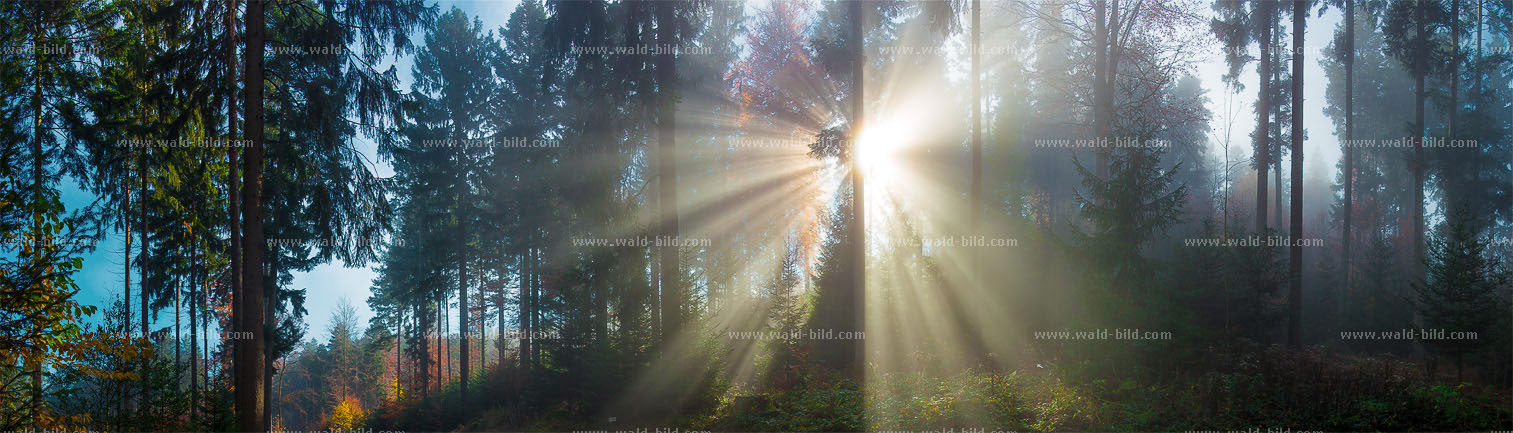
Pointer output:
x,y
1273,390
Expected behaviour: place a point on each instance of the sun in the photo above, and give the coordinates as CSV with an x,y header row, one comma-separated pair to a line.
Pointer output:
x,y
877,149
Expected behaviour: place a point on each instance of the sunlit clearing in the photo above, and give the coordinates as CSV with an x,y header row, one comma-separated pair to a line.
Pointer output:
x,y
771,205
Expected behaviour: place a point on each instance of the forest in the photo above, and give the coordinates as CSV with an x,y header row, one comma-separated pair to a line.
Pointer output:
x,y
672,216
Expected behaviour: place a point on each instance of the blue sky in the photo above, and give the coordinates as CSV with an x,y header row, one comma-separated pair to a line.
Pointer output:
x,y
328,284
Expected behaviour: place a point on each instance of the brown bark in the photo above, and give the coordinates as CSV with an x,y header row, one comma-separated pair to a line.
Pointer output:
x,y
671,297
34,360
1295,291
250,368
1349,151
1263,109
233,190
975,195
859,191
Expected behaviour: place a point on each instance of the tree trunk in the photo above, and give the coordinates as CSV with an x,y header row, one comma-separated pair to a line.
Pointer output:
x,y
424,369
142,277
126,287
1295,293
667,84
1460,367
1349,150
34,361
126,222
1110,73
269,357
205,334
462,299
656,294
1480,9
399,348
975,195
1454,71
1100,93
178,341
481,316
440,348
527,306
446,337
538,286
859,190
1275,155
250,369
194,340
1419,95
233,190
1263,112
499,339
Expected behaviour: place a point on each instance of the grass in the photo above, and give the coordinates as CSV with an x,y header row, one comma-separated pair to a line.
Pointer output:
x,y
1270,389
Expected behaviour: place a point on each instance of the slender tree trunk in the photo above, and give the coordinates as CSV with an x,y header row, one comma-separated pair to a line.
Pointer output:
x,y
34,360
1109,78
399,348
142,265
268,386
126,289
656,294
528,312
527,285
446,337
481,330
178,341
1460,367
233,190
975,195
194,338
250,404
1454,70
1277,118
270,359
499,339
438,328
205,334
126,223
1263,111
424,367
538,285
537,255
859,190
1476,96
1295,293
1349,151
1100,76
667,84
481,317
462,296
441,348
1420,93
1480,9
